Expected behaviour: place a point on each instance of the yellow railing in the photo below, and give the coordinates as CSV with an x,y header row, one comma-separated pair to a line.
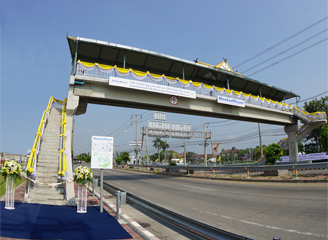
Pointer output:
x,y
35,148
62,160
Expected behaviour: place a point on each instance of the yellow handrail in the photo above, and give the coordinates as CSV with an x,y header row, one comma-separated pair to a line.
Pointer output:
x,y
62,160
31,160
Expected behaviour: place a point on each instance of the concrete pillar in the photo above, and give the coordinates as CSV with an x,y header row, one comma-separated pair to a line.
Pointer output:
x,y
70,195
72,105
291,131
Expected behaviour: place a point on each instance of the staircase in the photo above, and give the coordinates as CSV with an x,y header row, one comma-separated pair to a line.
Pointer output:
x,y
47,165
304,130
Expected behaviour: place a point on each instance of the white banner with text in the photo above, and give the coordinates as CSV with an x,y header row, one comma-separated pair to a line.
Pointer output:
x,y
306,157
151,87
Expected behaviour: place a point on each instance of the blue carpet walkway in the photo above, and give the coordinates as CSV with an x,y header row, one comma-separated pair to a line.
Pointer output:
x,y
38,221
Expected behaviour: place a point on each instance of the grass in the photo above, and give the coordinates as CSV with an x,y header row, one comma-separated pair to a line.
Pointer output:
x,y
3,184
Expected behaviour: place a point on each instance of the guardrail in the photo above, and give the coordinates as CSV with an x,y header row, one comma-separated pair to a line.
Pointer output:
x,y
241,168
192,227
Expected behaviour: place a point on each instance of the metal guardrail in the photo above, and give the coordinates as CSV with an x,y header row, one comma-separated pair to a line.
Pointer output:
x,y
190,226
254,167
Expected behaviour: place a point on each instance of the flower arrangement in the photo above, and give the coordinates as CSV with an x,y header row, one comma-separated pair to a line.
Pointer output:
x,y
11,168
83,175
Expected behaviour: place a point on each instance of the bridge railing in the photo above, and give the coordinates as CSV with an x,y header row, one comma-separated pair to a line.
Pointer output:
x,y
106,71
62,155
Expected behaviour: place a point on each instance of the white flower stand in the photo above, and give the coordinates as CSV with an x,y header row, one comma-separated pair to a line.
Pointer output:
x,y
82,198
10,192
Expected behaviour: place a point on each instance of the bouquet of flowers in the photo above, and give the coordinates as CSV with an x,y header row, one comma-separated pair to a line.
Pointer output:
x,y
83,175
11,168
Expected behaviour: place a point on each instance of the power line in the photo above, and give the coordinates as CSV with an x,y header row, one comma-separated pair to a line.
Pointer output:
x,y
281,42
290,56
311,97
288,49
276,29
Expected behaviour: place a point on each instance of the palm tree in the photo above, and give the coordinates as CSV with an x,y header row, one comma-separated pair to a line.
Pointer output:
x,y
157,144
233,154
164,146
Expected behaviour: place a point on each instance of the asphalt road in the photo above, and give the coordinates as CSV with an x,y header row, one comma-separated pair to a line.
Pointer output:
x,y
258,210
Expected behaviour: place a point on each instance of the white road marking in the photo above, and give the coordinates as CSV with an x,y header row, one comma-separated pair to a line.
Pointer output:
x,y
277,228
208,189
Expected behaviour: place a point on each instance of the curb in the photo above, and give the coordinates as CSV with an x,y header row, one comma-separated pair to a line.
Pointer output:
x,y
242,179
145,234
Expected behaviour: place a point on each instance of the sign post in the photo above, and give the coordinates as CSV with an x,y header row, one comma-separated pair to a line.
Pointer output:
x,y
102,158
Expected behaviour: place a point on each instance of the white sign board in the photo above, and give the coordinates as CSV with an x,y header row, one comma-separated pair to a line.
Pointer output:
x,y
151,87
133,143
160,116
180,130
102,152
158,129
231,101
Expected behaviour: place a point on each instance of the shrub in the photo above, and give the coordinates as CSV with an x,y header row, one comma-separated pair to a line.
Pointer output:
x,y
272,153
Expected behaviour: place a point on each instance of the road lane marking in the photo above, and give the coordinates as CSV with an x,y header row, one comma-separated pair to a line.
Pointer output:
x,y
276,228
208,189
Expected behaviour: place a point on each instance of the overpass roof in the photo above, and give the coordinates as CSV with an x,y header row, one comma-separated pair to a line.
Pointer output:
x,y
221,75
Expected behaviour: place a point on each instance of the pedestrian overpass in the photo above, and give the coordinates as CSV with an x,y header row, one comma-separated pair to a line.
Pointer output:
x,y
117,75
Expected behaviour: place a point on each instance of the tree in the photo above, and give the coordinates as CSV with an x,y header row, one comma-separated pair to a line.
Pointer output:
x,y
84,157
172,154
157,144
119,160
313,139
125,156
191,156
232,155
258,151
164,146
324,137
272,153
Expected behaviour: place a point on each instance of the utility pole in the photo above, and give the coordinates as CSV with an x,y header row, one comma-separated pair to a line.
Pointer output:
x,y
260,136
185,152
165,151
136,115
205,150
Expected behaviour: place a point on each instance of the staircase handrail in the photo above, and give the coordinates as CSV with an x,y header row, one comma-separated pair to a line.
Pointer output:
x,y
35,149
62,155
36,145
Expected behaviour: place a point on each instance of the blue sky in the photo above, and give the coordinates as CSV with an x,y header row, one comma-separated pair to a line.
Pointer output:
x,y
36,63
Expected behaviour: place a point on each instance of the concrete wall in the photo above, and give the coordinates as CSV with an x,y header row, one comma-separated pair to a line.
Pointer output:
x,y
13,156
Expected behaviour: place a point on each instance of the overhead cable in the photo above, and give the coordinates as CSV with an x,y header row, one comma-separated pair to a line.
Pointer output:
x,y
281,42
276,28
311,97
288,49
290,56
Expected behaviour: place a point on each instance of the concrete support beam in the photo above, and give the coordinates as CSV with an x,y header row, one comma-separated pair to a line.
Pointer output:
x,y
291,131
97,91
